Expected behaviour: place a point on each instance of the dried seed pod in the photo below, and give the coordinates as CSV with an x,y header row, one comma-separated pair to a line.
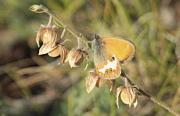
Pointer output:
x,y
48,35
101,82
127,95
75,57
63,53
91,81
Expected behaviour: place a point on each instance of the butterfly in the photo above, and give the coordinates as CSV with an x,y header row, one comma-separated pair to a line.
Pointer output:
x,y
108,53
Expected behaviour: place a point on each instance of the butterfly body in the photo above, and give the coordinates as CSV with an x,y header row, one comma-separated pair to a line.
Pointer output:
x,y
108,53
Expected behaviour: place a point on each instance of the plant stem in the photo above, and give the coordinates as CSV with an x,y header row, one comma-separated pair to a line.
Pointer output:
x,y
123,75
50,20
78,37
164,106
147,95
62,24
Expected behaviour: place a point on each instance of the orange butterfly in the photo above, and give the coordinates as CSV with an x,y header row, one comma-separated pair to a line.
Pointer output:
x,y
108,53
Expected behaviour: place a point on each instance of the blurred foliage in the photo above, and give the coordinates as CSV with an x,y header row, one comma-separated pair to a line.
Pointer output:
x,y
153,26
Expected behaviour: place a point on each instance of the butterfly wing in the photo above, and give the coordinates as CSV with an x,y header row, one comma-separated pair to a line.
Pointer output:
x,y
123,49
107,67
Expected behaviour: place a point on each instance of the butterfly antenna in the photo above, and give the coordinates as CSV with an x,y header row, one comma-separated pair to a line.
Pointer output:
x,y
85,68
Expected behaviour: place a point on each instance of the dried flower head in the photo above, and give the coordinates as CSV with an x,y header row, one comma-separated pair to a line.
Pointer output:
x,y
48,35
91,81
127,95
75,57
38,8
102,82
61,51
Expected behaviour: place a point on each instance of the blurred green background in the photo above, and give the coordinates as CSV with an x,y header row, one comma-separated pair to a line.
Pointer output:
x,y
32,85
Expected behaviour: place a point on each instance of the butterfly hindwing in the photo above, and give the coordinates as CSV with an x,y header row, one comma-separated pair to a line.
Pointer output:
x,y
107,66
109,69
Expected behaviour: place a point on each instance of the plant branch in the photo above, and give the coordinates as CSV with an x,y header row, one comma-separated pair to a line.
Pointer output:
x,y
58,22
127,80
62,24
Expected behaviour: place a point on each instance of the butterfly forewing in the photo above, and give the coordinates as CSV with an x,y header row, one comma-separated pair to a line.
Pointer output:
x,y
123,49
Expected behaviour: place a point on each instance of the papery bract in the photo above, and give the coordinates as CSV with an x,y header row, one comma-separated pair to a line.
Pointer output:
x,y
127,95
91,81
75,57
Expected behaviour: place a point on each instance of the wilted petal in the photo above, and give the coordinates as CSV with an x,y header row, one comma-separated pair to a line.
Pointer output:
x,y
111,85
118,91
63,53
135,103
125,96
101,82
55,52
38,39
90,81
48,35
128,96
46,48
75,57
70,58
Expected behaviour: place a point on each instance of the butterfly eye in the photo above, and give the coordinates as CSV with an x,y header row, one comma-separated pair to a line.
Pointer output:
x,y
113,58
96,36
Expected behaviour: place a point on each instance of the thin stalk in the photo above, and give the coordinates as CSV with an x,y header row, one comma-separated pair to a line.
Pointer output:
x,y
62,24
50,20
147,95
79,38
